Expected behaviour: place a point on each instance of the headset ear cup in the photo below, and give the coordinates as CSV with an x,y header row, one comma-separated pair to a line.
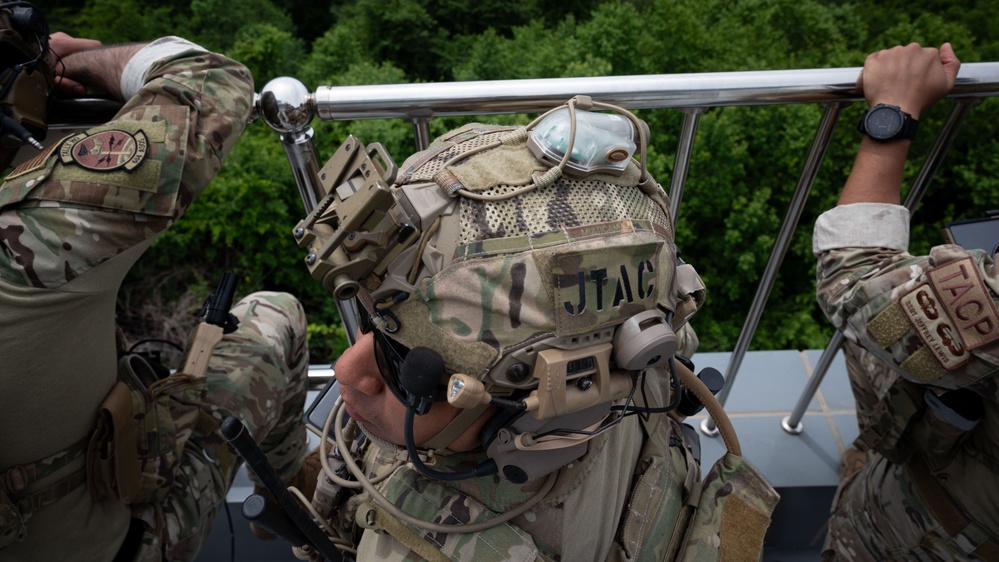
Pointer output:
x,y
29,20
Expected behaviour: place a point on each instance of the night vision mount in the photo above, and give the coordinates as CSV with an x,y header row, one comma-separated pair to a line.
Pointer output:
x,y
357,228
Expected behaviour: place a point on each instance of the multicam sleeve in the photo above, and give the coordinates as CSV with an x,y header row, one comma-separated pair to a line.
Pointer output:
x,y
216,94
96,194
931,317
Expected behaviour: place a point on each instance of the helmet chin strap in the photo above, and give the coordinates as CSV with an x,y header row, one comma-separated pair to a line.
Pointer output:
x,y
455,428
484,468
418,377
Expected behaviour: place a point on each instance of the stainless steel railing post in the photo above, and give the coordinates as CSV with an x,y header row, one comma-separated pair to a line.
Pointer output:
x,y
826,127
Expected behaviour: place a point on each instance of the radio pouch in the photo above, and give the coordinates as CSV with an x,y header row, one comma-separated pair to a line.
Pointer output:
x,y
736,502
112,457
732,515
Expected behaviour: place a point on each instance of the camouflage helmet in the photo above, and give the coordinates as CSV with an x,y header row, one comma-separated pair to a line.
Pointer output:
x,y
516,254
26,77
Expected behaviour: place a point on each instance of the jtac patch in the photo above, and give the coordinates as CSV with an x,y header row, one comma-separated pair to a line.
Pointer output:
x,y
105,151
924,311
594,287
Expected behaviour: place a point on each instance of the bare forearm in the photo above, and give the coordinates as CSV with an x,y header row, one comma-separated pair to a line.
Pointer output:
x,y
877,173
101,69
911,78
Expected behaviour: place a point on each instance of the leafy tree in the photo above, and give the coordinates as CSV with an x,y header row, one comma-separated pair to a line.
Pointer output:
x,y
267,51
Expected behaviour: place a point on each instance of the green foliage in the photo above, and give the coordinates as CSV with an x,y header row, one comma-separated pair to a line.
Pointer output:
x,y
326,342
745,166
112,21
267,51
216,23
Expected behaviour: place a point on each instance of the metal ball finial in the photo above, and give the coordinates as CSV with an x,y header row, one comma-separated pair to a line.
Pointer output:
x,y
286,105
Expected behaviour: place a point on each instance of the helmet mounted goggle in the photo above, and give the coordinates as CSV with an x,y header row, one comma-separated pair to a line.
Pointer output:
x,y
362,229
26,79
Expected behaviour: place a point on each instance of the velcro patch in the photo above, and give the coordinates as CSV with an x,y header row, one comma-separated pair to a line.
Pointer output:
x,y
923,366
923,309
888,326
594,287
105,151
965,300
32,164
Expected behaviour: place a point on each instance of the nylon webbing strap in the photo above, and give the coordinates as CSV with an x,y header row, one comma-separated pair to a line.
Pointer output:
x,y
890,419
407,536
454,428
949,516
18,478
33,502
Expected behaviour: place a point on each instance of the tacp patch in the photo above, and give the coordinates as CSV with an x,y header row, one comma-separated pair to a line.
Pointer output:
x,y
927,315
966,302
105,151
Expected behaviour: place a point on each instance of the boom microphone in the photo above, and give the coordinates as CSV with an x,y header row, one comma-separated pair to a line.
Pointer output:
x,y
420,374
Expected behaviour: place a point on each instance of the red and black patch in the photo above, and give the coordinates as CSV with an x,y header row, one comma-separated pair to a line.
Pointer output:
x,y
105,151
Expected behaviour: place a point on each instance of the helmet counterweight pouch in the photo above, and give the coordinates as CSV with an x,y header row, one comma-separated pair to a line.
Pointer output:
x,y
735,504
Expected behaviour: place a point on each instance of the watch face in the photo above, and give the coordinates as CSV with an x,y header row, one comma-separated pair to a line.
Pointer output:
x,y
883,123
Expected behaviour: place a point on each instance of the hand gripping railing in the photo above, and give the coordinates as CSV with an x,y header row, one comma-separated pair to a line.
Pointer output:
x,y
287,106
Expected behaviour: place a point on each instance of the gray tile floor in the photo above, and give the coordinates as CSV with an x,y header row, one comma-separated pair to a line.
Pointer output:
x,y
804,468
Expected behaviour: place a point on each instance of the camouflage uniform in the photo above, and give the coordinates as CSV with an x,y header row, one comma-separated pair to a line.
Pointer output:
x,y
917,327
72,223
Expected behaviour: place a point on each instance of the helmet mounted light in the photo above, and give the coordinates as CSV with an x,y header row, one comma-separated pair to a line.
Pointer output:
x,y
601,142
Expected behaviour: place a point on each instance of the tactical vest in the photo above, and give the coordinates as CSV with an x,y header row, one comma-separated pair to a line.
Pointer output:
x,y
640,531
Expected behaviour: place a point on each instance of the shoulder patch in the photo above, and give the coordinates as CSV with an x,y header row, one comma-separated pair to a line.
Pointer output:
x,y
105,151
926,314
966,302
32,164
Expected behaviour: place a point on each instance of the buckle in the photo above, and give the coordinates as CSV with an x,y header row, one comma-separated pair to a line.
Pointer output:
x,y
16,479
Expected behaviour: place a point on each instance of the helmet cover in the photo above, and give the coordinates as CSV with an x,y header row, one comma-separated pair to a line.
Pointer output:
x,y
499,273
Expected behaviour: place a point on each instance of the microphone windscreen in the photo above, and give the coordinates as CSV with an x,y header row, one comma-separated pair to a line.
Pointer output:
x,y
421,370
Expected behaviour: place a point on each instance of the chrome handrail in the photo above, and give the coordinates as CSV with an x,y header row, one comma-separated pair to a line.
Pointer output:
x,y
288,107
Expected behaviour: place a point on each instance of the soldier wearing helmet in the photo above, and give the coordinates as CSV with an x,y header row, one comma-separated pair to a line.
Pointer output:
x,y
514,379
101,458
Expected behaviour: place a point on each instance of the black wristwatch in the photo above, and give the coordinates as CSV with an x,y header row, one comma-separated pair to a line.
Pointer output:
x,y
885,123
